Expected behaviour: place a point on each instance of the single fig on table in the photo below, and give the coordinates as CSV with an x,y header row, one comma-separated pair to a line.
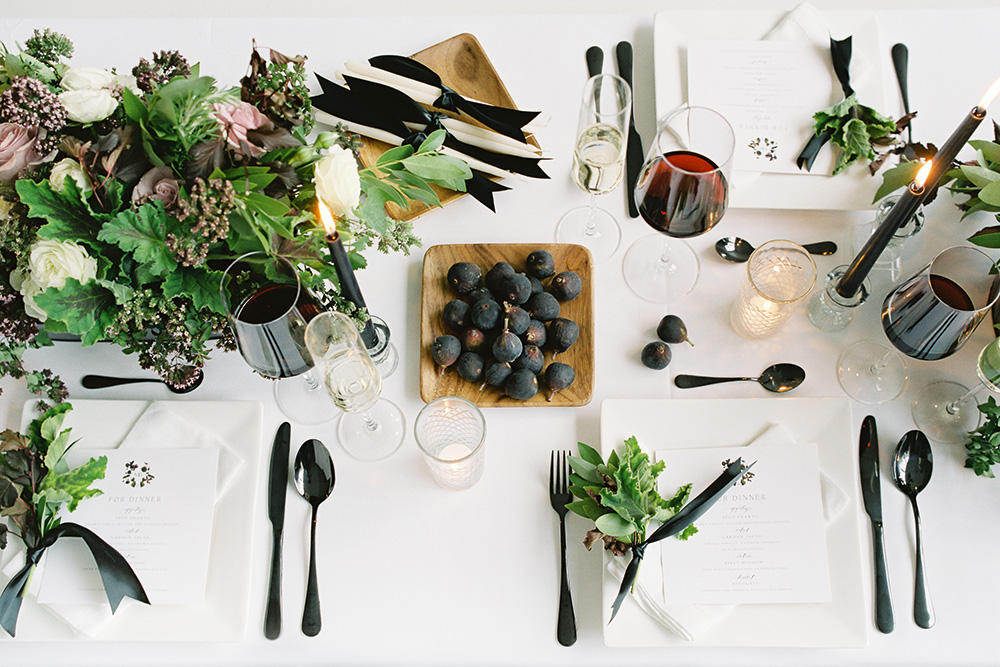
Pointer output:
x,y
656,355
671,329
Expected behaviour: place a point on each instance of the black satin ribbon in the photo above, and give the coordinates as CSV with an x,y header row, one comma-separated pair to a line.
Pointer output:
x,y
840,53
502,119
347,104
119,579
678,522
377,95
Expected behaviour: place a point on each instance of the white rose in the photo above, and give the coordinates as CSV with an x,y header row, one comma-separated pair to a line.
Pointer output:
x,y
88,106
68,168
128,81
337,180
50,263
86,78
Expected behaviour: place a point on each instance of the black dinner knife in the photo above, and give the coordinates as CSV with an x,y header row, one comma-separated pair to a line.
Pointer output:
x,y
633,154
277,486
872,496
595,60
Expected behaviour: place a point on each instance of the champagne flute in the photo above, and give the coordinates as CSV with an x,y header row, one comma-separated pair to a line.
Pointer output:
x,y
269,319
598,163
371,428
682,191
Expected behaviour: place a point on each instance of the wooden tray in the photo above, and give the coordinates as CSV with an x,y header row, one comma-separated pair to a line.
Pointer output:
x,y
464,67
436,293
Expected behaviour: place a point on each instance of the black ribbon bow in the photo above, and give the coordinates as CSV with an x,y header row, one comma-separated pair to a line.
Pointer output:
x,y
502,119
352,106
678,522
118,577
840,53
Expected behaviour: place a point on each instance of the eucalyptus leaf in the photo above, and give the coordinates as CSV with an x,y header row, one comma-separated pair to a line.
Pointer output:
x,y
979,176
614,525
989,149
897,177
987,238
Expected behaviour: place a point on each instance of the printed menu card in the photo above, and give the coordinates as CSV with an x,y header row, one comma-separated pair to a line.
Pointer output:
x,y
763,542
769,91
156,510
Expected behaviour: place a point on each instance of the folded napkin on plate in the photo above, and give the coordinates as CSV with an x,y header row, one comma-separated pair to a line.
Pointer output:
x,y
806,23
158,427
690,621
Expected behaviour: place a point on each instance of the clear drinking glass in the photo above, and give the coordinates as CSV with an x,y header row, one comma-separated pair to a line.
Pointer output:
x,y
268,310
682,191
451,434
371,428
598,163
779,276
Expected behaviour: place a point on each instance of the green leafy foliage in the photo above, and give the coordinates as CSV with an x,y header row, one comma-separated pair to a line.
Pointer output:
x,y
35,481
620,496
855,128
142,232
983,449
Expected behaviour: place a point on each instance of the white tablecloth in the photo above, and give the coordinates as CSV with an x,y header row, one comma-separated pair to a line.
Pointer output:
x,y
411,573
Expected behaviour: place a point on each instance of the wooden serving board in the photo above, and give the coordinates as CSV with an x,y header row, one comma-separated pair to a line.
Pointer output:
x,y
464,67
436,293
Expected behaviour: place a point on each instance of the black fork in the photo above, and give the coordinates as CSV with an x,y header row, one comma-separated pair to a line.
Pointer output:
x,y
559,495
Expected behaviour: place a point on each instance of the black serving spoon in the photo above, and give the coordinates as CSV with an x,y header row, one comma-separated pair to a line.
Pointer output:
x,y
104,381
777,378
314,479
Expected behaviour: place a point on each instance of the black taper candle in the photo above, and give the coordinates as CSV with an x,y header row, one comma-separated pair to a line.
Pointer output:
x,y
349,283
907,205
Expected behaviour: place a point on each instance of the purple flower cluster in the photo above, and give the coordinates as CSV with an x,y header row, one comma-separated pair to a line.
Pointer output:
x,y
28,102
208,206
165,66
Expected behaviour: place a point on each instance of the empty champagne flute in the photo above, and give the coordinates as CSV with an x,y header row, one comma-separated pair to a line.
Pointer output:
x,y
268,310
598,163
371,428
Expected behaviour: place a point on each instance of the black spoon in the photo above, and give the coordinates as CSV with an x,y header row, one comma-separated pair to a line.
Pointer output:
x,y
900,60
911,471
314,479
103,381
776,378
735,249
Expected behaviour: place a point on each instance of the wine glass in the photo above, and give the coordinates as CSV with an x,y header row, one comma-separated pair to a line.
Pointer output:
x,y
682,191
371,428
598,163
945,411
929,316
269,319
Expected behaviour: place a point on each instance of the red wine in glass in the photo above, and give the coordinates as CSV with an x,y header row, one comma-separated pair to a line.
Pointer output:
x,y
685,194
928,321
270,325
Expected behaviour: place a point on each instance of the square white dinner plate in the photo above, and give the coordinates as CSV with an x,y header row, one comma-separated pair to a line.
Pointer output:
x,y
685,423
222,616
850,190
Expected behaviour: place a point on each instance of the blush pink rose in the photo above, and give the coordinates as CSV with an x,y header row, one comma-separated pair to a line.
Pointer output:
x,y
18,149
236,120
157,184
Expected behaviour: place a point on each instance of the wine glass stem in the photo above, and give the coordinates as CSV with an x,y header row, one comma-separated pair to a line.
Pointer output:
x,y
591,228
370,424
953,407
310,379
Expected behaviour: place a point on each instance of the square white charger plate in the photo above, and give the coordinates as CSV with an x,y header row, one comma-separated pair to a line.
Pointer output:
x,y
851,190
222,616
686,423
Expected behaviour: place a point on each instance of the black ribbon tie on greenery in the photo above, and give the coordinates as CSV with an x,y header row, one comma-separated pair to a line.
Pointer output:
x,y
349,105
118,577
840,53
678,522
502,119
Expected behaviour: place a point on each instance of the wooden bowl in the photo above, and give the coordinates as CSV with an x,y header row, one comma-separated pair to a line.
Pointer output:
x,y
436,293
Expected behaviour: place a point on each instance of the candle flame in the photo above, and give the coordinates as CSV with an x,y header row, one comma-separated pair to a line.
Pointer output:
x,y
921,176
990,94
326,217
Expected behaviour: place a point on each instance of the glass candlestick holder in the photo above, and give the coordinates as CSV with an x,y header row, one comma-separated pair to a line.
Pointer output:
x,y
890,263
829,310
382,351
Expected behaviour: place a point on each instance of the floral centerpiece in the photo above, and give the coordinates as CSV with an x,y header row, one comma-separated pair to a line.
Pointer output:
x,y
124,196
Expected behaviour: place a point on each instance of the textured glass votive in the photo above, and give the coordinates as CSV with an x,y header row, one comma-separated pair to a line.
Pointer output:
x,y
451,434
779,275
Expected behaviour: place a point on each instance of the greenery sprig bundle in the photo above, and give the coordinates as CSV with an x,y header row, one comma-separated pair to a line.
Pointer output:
x,y
620,496
35,480
124,197
860,132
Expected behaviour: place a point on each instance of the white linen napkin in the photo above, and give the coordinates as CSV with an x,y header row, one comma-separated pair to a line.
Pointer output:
x,y
691,621
158,427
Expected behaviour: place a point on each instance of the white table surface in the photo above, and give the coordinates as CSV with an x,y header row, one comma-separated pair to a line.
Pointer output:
x,y
411,573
